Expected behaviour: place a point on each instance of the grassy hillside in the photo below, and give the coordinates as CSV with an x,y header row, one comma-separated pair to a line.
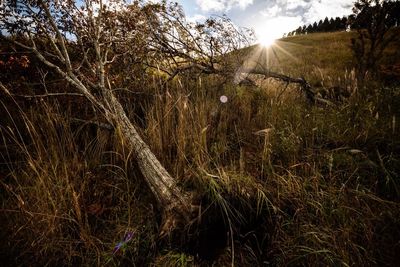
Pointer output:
x,y
280,182
312,53
318,57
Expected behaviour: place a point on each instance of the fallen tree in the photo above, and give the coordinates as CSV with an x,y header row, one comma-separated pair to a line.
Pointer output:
x,y
48,30
86,43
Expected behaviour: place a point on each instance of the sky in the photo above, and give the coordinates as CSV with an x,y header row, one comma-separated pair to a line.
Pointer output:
x,y
269,18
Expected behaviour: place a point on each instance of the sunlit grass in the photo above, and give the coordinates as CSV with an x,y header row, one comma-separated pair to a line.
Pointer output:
x,y
289,183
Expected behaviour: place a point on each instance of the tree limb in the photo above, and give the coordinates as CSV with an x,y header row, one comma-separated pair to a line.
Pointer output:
x,y
304,85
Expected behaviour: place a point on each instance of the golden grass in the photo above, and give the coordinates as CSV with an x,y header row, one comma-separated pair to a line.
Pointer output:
x,y
291,184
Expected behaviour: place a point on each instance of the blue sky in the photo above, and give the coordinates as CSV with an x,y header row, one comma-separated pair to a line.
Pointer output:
x,y
268,17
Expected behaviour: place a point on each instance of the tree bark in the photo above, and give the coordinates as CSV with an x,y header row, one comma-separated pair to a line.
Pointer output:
x,y
175,204
94,34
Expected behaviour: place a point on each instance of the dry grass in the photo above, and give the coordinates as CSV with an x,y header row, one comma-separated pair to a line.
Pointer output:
x,y
282,182
73,194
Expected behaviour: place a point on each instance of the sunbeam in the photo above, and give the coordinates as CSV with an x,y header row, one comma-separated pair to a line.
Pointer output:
x,y
283,50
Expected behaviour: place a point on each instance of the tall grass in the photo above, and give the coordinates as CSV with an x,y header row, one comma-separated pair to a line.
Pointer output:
x,y
315,168
279,182
72,195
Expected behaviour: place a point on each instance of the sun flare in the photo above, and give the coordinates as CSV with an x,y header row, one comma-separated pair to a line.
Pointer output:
x,y
269,30
266,40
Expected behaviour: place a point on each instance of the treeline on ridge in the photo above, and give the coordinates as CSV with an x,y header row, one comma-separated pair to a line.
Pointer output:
x,y
352,21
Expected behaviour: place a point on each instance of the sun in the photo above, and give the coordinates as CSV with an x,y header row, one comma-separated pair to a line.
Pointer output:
x,y
266,40
270,30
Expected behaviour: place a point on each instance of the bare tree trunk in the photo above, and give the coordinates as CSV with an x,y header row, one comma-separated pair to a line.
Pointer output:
x,y
174,203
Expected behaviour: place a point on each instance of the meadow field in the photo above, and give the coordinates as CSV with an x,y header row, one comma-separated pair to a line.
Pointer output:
x,y
279,181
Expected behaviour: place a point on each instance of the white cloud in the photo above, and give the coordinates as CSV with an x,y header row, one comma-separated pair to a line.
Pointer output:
x,y
327,8
273,17
244,3
308,10
222,5
293,4
271,12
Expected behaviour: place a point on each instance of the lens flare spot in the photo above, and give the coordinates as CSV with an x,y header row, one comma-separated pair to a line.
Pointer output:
x,y
223,99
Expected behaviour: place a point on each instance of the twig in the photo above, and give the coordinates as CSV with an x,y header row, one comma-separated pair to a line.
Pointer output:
x,y
49,95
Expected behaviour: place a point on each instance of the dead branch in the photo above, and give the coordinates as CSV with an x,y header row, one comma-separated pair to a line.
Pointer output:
x,y
49,95
304,85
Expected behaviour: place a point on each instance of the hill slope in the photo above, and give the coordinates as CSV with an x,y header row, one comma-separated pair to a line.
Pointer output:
x,y
317,56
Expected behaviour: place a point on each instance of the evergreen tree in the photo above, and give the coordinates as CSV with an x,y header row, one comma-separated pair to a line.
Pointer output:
x,y
319,29
309,29
331,25
315,27
304,29
337,24
325,25
343,23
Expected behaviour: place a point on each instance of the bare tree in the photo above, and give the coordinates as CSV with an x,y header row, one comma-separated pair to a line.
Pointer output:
x,y
210,47
82,41
101,33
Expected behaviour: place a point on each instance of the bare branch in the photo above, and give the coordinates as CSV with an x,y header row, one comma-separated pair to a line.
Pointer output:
x,y
305,86
49,95
59,36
